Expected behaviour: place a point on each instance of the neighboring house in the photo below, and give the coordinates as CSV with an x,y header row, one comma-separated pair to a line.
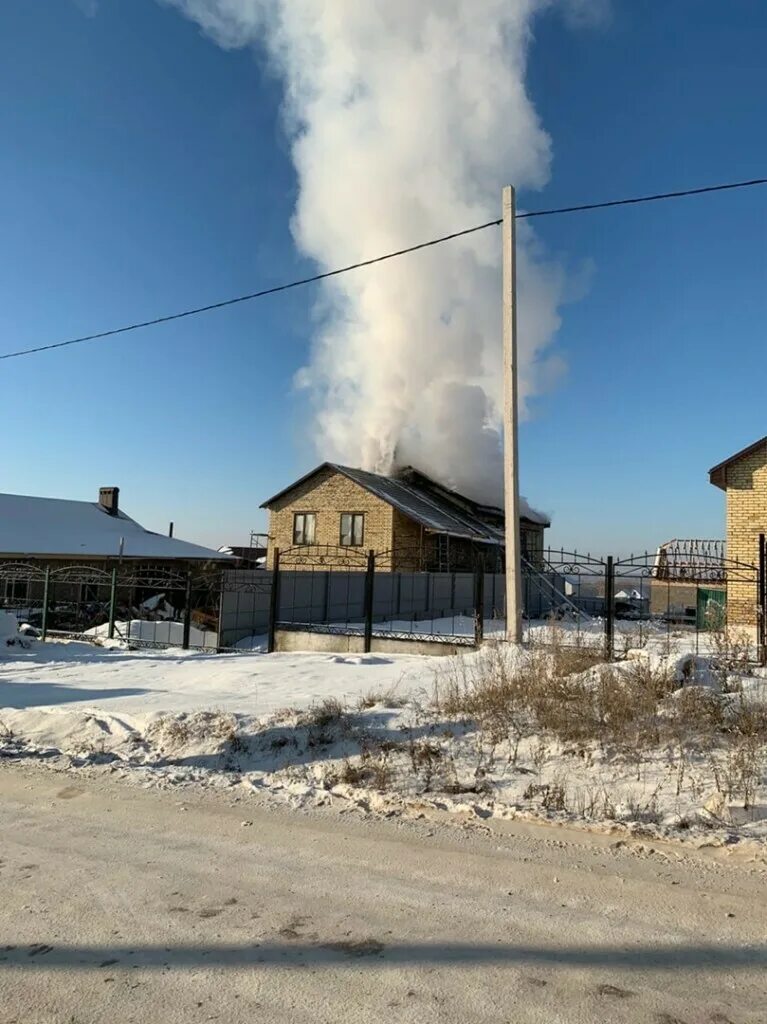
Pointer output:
x,y
688,582
631,604
251,557
57,532
743,478
410,521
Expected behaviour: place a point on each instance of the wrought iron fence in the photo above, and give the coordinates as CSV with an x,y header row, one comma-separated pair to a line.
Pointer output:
x,y
568,599
384,595
142,605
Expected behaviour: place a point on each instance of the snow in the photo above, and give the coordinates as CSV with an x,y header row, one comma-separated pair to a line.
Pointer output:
x,y
10,634
58,526
9,626
176,718
78,675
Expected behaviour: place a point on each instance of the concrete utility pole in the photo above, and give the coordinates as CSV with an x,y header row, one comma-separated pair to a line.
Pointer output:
x,y
510,423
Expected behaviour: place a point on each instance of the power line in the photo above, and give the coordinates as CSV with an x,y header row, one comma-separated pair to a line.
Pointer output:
x,y
247,298
377,259
643,199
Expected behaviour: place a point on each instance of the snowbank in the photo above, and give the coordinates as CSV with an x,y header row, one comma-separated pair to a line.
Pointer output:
x,y
10,635
363,731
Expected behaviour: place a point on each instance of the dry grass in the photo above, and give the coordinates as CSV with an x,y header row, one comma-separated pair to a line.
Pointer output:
x,y
732,651
373,770
626,709
388,698
738,770
509,701
329,711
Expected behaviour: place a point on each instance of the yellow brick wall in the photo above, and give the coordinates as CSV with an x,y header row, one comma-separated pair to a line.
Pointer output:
x,y
328,495
746,518
412,545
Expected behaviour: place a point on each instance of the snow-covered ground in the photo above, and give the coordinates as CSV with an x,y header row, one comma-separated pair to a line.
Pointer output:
x,y
72,675
363,730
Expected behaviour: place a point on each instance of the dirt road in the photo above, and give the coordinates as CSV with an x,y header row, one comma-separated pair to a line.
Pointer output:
x,y
132,905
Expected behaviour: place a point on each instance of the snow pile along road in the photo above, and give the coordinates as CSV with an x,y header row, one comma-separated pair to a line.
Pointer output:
x,y
657,744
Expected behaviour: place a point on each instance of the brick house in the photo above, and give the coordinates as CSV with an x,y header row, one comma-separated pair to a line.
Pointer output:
x,y
411,522
743,478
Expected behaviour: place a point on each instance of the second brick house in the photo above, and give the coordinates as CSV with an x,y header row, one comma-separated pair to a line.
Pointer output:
x,y
743,478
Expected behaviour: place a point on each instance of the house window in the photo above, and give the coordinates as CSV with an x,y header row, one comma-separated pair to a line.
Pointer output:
x,y
352,528
304,527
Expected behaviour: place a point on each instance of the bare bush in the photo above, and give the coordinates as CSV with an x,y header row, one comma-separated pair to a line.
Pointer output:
x,y
552,795
731,649
329,711
567,652
371,771
387,698
745,718
738,770
493,695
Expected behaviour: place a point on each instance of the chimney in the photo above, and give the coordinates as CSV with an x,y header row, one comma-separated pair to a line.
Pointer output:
x,y
109,498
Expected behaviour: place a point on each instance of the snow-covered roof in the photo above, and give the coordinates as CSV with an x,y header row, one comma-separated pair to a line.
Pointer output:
x,y
427,502
32,526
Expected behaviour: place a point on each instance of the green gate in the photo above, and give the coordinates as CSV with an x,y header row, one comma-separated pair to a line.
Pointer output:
x,y
711,610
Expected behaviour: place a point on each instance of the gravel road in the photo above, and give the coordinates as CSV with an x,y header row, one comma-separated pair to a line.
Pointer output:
x,y
137,905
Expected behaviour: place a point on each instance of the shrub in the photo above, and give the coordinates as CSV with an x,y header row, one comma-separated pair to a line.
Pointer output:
x,y
388,698
371,771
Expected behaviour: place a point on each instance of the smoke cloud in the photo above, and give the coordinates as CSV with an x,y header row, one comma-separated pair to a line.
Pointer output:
x,y
406,117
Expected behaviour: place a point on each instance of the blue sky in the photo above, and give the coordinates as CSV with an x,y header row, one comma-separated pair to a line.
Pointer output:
x,y
143,169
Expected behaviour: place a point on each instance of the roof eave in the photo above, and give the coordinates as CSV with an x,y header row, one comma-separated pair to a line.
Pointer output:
x,y
718,474
297,483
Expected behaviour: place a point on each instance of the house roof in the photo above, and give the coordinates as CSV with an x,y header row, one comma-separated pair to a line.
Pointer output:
x,y
718,474
436,508
690,559
58,526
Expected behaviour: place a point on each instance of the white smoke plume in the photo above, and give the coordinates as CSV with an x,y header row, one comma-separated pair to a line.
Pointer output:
x,y
406,117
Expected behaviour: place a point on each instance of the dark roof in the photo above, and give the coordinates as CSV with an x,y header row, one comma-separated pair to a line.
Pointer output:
x,y
718,474
426,502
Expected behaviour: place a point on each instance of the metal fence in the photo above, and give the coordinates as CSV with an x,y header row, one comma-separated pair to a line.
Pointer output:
x,y
627,602
352,592
568,598
155,607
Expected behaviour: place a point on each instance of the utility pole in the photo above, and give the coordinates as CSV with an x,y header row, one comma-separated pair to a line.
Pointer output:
x,y
510,423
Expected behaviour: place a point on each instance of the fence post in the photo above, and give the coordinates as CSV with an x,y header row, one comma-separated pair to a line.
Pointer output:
x,y
479,604
187,611
369,589
46,594
274,602
112,604
222,591
609,607
762,612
